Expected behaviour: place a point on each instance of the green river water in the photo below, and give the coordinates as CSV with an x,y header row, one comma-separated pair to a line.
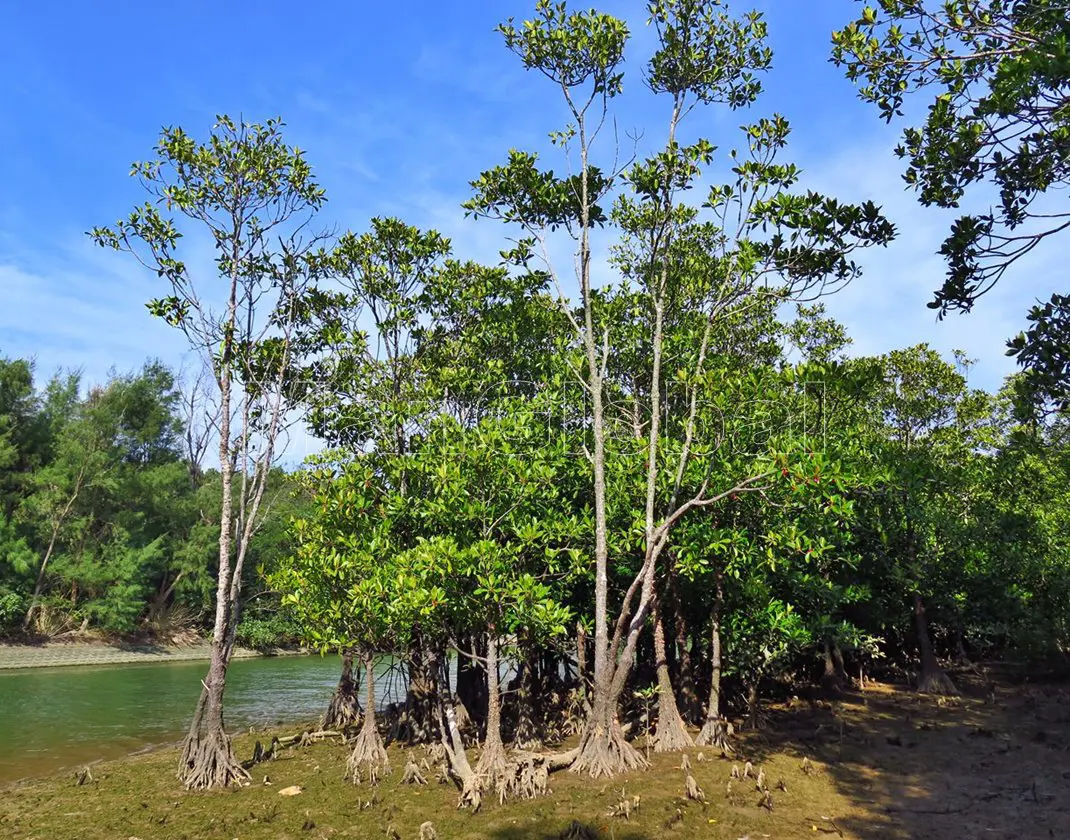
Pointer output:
x,y
57,718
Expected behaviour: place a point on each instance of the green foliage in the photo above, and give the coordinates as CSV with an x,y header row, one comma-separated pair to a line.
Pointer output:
x,y
707,52
763,638
738,465
242,183
459,503
12,608
996,75
104,524
1044,351
266,633
377,558
571,48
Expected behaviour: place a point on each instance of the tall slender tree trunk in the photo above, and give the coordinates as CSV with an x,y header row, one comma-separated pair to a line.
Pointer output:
x,y
671,734
39,583
715,730
492,762
603,749
685,669
207,757
932,679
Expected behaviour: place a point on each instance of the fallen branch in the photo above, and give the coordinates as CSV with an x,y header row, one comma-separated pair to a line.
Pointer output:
x,y
553,761
301,739
816,825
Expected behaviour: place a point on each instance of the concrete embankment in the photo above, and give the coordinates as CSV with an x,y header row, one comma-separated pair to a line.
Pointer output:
x,y
57,654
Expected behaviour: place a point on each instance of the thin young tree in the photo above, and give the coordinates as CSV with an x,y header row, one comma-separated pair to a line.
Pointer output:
x,y
254,197
366,393
767,240
343,585
82,461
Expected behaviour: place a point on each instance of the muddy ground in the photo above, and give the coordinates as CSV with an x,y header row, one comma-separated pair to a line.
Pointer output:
x,y
993,763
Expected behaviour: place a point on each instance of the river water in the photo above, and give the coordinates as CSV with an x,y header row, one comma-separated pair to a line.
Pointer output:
x,y
56,718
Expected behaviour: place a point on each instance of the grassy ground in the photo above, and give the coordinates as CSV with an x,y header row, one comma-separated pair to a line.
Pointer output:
x,y
888,765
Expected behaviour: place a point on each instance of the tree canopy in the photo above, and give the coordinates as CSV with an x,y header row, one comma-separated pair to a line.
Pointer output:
x,y
995,75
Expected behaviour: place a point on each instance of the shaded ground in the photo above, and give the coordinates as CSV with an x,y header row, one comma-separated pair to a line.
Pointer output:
x,y
994,763
888,765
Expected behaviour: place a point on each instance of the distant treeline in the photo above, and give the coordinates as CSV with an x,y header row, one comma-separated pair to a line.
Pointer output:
x,y
108,520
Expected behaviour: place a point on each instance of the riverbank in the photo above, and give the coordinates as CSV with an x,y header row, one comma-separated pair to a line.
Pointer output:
x,y
61,654
58,718
883,763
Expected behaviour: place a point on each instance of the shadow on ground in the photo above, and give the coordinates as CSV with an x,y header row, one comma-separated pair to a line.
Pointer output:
x,y
991,763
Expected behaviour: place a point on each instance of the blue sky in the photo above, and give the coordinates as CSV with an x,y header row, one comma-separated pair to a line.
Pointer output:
x,y
398,108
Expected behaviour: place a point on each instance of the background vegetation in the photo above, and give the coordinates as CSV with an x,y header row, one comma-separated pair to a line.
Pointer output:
x,y
109,519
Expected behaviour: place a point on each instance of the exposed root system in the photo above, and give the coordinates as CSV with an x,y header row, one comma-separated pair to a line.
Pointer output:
x,y
671,734
208,762
604,751
716,732
937,682
369,754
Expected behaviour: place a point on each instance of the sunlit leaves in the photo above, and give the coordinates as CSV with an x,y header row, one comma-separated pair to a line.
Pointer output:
x,y
706,53
1043,348
571,48
242,186
520,193
997,74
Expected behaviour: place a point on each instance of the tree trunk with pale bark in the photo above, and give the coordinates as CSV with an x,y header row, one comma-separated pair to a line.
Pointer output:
x,y
715,730
369,753
492,764
671,734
